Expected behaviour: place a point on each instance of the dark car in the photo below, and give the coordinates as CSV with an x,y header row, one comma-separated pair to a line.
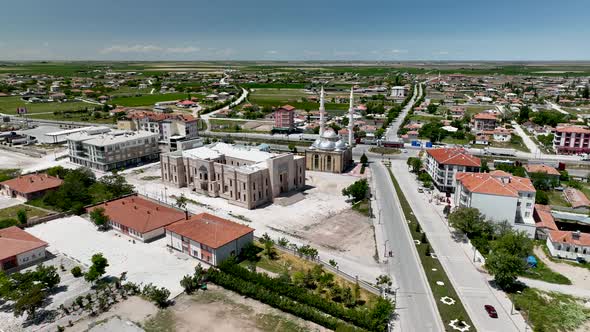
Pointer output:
x,y
491,311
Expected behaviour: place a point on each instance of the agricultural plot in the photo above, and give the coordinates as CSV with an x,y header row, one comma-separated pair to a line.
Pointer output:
x,y
8,105
294,97
147,100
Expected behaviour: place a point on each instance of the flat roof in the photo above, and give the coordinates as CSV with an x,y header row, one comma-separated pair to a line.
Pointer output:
x,y
112,137
233,151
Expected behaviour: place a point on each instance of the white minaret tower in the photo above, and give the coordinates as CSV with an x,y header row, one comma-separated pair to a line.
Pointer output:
x,y
350,118
322,111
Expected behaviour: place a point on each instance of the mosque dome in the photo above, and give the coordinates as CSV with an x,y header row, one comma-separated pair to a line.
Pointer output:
x,y
329,134
327,145
340,145
316,143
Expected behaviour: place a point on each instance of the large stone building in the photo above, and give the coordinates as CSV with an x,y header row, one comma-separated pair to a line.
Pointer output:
x,y
106,151
244,176
330,153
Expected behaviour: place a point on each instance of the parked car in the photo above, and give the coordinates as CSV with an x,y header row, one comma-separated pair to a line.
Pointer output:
x,y
491,311
420,190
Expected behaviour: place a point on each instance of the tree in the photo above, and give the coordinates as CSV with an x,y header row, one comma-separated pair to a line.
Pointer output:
x,y
21,215
181,202
157,295
541,198
415,163
187,283
357,191
467,220
97,269
269,249
383,280
99,218
364,160
76,272
505,267
46,276
30,301
586,92
431,108
524,114
514,242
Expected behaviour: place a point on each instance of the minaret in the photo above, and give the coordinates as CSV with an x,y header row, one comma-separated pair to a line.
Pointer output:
x,y
350,118
322,111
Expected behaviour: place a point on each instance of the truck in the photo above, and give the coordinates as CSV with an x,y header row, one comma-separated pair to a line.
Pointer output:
x,y
499,151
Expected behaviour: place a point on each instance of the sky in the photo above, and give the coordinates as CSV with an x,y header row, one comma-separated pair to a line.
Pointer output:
x,y
390,30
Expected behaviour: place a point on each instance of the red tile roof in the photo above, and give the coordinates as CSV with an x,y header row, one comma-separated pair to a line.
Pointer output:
x,y
32,183
15,241
156,117
140,214
543,217
454,156
576,197
572,129
494,183
485,116
209,230
567,237
287,107
541,168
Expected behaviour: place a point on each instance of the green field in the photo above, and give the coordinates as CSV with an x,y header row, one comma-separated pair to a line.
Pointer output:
x,y
8,105
10,212
148,100
76,117
293,97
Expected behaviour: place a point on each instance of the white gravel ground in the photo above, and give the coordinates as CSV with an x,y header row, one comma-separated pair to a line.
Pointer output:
x,y
144,262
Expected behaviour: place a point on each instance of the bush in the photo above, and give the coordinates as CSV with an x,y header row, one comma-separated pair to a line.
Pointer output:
x,y
76,271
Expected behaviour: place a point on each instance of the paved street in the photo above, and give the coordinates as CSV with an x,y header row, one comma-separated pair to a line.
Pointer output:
x,y
415,304
471,285
391,133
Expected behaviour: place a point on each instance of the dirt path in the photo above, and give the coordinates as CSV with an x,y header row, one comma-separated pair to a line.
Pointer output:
x,y
579,276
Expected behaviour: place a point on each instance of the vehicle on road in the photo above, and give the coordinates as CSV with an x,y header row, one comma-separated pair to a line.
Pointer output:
x,y
499,151
420,190
491,311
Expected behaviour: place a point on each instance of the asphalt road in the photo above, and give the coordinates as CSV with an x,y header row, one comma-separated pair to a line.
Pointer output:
x,y
392,130
415,304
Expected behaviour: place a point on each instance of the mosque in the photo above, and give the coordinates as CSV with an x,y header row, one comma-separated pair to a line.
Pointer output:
x,y
330,153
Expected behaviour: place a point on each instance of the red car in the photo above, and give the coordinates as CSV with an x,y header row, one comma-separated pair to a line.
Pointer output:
x,y
491,311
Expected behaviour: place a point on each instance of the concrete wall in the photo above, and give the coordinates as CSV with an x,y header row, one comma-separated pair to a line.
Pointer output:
x,y
31,256
566,250
496,208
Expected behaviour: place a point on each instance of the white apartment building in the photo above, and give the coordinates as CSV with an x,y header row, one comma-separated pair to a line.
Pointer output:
x,y
106,151
398,92
171,127
442,165
500,196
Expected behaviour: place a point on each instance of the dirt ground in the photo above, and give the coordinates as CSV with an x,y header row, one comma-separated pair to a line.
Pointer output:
x,y
134,309
220,310
579,276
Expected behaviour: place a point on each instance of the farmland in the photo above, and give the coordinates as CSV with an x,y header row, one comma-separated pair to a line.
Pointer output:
x,y
147,100
8,105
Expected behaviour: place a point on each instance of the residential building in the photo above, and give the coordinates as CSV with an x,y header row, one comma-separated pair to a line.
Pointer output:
x,y
500,196
284,118
30,186
442,165
139,218
398,92
544,221
106,151
171,127
569,245
19,249
244,176
209,238
551,174
571,139
485,121
501,134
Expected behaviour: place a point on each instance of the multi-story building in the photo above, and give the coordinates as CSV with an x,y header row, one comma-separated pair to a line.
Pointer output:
x,y
284,117
112,150
484,121
442,165
398,92
571,139
209,238
171,127
500,196
244,176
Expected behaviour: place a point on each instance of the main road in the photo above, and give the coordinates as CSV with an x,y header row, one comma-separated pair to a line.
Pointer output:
x,y
391,133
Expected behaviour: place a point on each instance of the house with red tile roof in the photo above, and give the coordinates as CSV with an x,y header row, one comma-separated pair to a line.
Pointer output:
x,y
30,186
500,196
544,221
442,164
571,139
485,121
139,218
19,248
569,245
209,238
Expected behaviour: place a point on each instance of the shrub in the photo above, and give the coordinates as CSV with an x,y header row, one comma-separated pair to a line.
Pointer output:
x,y
76,272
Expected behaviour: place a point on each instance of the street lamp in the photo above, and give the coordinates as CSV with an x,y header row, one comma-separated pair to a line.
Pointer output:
x,y
385,248
379,220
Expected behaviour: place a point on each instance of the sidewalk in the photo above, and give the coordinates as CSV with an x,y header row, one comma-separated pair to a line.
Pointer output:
x,y
457,259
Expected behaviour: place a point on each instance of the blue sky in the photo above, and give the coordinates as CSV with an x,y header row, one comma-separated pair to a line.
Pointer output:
x,y
295,30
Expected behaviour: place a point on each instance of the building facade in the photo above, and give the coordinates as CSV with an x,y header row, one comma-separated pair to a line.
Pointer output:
x,y
30,186
171,127
209,238
569,245
398,92
442,165
112,150
571,140
484,122
500,196
19,249
330,153
284,118
244,176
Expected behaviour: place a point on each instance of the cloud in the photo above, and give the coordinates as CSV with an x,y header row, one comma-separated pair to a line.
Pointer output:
x,y
272,52
442,53
139,48
396,51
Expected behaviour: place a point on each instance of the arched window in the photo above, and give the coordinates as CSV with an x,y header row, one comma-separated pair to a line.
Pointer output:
x,y
316,161
328,163
203,173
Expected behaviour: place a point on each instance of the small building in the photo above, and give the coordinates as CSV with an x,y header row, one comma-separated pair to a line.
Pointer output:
x,y
19,248
30,186
209,238
138,217
569,245
551,173
544,221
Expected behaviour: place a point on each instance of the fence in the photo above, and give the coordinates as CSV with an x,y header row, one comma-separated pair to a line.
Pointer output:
x,y
364,284
49,217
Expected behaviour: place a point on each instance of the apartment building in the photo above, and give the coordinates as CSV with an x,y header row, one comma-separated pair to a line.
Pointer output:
x,y
485,121
442,165
571,139
171,127
500,196
244,176
284,117
106,151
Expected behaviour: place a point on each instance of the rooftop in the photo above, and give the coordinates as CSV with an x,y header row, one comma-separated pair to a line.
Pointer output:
x,y
15,241
454,156
543,217
572,129
568,237
485,116
141,214
209,230
494,183
112,137
32,183
541,168
216,150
